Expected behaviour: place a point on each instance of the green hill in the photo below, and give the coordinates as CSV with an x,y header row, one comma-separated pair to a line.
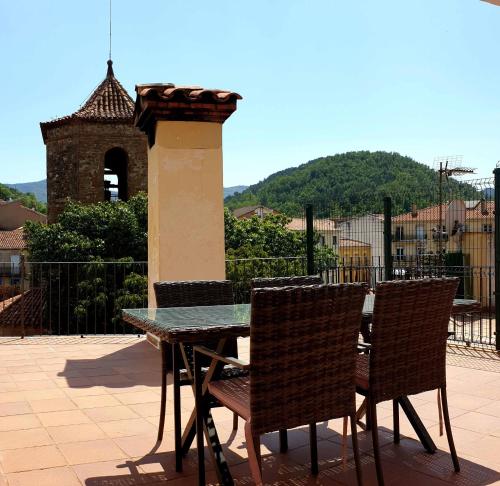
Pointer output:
x,y
29,200
353,183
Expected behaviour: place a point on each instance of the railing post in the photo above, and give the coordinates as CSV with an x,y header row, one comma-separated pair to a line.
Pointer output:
x,y
23,302
388,238
310,239
496,172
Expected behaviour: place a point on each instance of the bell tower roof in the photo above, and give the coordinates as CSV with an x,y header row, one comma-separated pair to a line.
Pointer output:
x,y
109,102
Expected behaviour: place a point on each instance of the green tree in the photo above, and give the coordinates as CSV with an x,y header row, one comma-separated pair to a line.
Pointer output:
x,y
88,231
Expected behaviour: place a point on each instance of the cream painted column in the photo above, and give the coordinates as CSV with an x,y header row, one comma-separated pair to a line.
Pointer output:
x,y
185,186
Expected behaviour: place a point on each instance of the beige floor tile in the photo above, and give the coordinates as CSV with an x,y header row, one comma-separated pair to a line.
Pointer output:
x,y
32,458
56,476
36,385
84,391
151,409
96,401
124,428
68,433
108,414
52,405
477,422
14,408
64,417
141,445
493,409
38,375
137,397
11,396
8,387
103,472
19,422
17,439
45,394
91,451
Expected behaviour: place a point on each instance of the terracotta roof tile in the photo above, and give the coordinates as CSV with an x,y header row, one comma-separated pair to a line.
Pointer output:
x,y
299,224
171,92
12,240
108,102
431,213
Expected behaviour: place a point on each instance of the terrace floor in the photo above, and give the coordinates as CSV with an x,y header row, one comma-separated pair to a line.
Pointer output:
x,y
85,411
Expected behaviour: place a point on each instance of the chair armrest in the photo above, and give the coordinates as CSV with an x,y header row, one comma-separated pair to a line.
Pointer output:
x,y
237,363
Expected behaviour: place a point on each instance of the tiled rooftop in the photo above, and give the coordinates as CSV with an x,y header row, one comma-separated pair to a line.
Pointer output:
x,y
85,411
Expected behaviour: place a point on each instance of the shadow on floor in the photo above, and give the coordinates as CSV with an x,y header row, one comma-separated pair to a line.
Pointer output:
x,y
137,364
406,463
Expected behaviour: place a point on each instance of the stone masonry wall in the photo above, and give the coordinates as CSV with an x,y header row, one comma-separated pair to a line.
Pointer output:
x,y
75,161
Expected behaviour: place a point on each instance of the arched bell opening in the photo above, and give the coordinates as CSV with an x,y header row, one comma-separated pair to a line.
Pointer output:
x,y
115,175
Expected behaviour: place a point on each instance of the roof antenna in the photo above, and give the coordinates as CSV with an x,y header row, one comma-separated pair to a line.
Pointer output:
x,y
110,30
110,62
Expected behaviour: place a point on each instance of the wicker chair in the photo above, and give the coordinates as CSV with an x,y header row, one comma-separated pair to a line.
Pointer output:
x,y
408,350
302,350
259,283
189,294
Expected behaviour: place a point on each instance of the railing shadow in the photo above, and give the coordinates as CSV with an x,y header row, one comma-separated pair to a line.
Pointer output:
x,y
407,462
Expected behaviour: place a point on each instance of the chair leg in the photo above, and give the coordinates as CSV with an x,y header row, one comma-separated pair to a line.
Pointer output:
x,y
372,407
395,417
355,448
254,459
235,421
313,443
447,425
200,412
283,440
163,405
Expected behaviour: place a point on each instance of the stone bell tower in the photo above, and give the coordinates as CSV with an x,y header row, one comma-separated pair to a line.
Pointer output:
x,y
97,153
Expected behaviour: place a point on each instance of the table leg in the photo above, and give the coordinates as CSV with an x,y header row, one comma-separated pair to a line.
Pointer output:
x,y
177,408
161,425
417,425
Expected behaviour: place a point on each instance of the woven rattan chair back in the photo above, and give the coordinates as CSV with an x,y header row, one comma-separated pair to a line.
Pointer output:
x,y
410,329
258,283
191,293
302,354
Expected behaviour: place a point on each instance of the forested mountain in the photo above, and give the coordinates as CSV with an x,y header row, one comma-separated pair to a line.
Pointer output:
x,y
229,191
352,183
38,188
28,200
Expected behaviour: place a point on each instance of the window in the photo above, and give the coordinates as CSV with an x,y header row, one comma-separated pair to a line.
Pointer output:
x,y
399,233
400,253
487,228
334,240
321,240
420,232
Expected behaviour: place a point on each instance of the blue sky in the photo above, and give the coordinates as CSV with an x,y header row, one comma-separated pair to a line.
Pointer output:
x,y
317,77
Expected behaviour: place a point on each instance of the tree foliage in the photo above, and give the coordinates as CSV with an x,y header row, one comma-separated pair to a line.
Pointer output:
x,y
353,182
28,200
86,232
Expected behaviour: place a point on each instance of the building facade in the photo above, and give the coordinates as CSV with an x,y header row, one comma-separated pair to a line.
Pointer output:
x,y
95,154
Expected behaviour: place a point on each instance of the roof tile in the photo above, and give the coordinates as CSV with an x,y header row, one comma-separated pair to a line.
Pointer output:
x,y
12,240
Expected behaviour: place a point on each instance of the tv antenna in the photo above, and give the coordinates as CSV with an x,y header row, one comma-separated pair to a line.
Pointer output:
x,y
447,166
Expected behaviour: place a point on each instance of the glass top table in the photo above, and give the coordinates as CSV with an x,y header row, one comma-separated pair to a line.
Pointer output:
x,y
195,324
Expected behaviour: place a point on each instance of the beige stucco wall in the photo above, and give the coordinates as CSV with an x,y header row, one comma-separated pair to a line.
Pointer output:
x,y
185,203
